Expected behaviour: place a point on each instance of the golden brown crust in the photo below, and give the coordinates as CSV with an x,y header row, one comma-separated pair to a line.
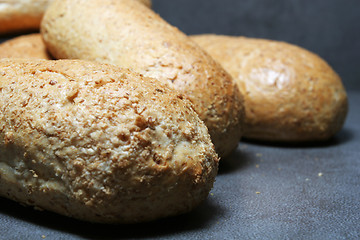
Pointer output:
x,y
290,93
125,33
26,46
147,3
26,15
21,15
99,143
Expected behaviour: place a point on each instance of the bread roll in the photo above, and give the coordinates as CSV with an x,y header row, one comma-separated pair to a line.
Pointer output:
x,y
21,15
99,143
290,93
125,33
26,46
26,15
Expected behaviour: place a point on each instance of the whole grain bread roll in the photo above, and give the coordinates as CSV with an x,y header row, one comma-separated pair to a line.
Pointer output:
x,y
21,15
26,15
126,33
99,143
290,93
25,46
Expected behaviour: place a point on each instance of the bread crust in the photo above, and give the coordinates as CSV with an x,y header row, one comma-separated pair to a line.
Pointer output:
x,y
290,93
99,143
21,15
26,15
25,46
127,34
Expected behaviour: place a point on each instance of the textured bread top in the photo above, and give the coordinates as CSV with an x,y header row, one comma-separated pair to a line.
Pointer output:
x,y
290,93
26,46
106,144
126,33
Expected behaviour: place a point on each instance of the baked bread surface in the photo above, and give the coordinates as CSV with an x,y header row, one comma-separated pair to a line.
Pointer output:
x,y
290,94
126,33
21,15
99,143
25,46
26,15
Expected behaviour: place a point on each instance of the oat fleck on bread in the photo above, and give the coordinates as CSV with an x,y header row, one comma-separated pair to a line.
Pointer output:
x,y
290,94
125,33
99,143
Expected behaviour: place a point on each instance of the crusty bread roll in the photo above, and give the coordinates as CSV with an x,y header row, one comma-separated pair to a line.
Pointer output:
x,y
99,143
290,93
26,15
125,33
25,46
21,15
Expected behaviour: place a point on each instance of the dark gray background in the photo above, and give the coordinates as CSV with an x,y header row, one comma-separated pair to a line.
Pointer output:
x,y
330,28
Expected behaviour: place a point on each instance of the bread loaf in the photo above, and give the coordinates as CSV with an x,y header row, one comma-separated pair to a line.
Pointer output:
x,y
290,93
21,15
26,15
99,143
125,33
25,46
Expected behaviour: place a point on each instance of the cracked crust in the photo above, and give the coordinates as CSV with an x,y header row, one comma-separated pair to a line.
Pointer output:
x,y
127,34
290,94
99,143
26,15
26,46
